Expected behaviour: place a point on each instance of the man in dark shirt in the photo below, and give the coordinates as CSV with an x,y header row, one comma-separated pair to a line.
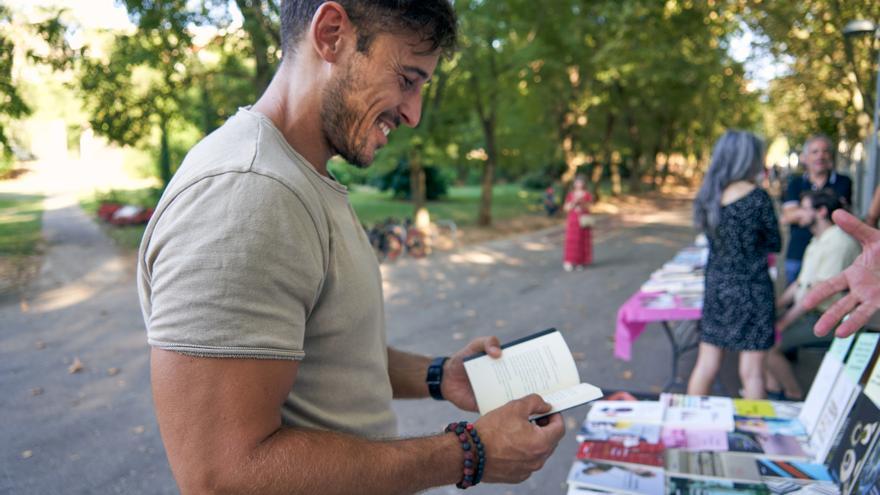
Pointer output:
x,y
818,162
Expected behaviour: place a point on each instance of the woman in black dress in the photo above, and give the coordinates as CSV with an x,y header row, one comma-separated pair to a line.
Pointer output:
x,y
739,306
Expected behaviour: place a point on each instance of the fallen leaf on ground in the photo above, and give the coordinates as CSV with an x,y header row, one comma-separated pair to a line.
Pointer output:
x,y
457,336
76,367
138,429
27,454
37,391
570,423
578,356
24,306
112,371
627,375
40,344
500,323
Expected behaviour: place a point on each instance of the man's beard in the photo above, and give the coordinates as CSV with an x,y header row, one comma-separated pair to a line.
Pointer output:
x,y
338,121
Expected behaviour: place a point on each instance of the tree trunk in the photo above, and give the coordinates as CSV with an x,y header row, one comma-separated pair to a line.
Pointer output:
x,y
616,188
164,153
484,219
417,182
255,25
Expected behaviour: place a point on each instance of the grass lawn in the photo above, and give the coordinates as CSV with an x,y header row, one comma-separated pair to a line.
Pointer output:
x,y
125,236
461,205
20,221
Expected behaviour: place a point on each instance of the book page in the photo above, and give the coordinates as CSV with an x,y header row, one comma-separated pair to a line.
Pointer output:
x,y
569,397
535,365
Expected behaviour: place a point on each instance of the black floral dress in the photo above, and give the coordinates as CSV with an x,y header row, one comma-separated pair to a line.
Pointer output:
x,y
739,309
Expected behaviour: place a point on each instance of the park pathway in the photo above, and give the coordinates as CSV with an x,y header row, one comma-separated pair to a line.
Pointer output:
x,y
74,367
74,373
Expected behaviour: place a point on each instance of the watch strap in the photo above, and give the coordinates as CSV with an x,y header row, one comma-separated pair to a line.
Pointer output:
x,y
435,377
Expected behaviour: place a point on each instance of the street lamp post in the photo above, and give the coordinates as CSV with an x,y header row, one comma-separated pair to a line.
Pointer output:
x,y
861,28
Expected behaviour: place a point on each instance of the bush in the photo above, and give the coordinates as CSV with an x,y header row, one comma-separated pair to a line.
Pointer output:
x,y
544,177
397,180
346,174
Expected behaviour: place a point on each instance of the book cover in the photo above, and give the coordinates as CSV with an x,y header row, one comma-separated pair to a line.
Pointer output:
x,y
850,452
694,440
820,390
770,426
872,386
540,363
868,479
779,486
860,356
685,486
787,409
711,465
617,478
799,471
769,446
642,412
838,406
618,431
650,454
758,408
695,412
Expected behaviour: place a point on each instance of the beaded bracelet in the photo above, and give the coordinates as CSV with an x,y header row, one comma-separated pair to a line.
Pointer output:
x,y
473,471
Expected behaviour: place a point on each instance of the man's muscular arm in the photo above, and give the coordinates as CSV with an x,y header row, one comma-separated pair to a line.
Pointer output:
x,y
221,426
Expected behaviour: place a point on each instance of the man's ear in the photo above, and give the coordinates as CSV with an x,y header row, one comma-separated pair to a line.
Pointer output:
x,y
330,31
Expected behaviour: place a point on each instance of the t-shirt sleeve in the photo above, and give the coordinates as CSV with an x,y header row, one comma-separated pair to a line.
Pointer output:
x,y
234,264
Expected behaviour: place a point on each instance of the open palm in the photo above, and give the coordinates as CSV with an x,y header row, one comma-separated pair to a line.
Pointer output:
x,y
862,279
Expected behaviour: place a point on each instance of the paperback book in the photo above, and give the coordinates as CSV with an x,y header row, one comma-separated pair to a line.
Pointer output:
x,y
618,431
711,466
617,478
693,412
649,454
540,363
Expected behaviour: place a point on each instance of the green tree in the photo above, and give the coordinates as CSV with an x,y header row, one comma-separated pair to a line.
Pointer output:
x,y
12,105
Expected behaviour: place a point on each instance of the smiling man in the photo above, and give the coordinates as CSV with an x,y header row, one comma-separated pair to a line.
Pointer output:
x,y
263,299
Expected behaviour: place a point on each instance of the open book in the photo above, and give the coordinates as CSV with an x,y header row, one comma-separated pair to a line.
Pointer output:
x,y
540,363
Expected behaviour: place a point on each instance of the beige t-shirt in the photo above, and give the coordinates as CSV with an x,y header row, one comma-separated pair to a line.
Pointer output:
x,y
825,257
253,254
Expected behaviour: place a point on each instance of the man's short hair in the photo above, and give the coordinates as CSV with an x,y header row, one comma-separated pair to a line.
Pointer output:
x,y
433,20
819,137
824,198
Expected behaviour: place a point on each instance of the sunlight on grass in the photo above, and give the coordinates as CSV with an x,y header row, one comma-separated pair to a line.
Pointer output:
x,y
20,221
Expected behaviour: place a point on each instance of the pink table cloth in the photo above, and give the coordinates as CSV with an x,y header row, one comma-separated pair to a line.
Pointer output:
x,y
632,318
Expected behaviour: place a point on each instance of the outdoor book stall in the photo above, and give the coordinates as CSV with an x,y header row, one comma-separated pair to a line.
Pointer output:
x,y
679,444
672,297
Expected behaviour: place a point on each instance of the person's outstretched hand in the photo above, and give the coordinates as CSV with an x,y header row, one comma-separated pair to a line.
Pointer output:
x,y
862,278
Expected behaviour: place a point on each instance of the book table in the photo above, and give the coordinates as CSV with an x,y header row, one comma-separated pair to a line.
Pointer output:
x,y
679,323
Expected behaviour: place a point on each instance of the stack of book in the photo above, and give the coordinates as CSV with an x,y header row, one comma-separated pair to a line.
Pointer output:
x,y
681,444
680,278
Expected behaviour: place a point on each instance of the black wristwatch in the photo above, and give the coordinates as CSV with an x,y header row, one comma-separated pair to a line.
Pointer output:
x,y
435,377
